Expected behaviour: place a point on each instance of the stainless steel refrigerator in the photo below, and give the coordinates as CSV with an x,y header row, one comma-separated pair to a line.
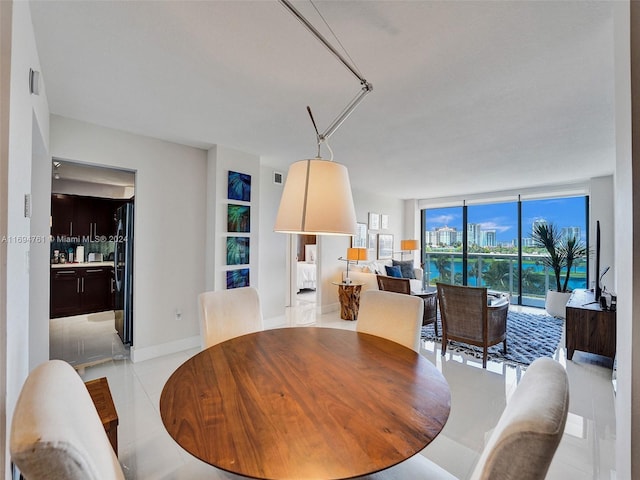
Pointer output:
x,y
123,272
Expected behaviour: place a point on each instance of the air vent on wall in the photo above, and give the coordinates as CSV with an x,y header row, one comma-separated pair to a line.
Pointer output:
x,y
277,178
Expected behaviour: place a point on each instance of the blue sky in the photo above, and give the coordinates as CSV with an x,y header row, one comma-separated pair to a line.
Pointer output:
x,y
503,217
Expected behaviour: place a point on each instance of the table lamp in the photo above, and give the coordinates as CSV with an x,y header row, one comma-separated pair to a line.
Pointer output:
x,y
353,255
408,246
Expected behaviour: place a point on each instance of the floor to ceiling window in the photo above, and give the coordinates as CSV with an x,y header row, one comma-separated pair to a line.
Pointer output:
x,y
442,245
490,245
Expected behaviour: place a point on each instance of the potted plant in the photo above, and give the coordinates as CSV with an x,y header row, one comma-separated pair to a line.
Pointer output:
x,y
563,252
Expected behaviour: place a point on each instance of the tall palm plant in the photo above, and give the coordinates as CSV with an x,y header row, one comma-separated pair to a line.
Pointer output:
x,y
563,251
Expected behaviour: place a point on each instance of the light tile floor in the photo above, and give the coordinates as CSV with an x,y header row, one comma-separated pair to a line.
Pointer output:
x,y
478,398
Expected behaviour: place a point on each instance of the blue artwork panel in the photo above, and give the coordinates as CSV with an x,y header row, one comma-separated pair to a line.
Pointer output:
x,y
237,250
238,218
239,186
238,278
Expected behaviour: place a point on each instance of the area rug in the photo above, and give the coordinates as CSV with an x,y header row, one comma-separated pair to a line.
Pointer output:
x,y
529,336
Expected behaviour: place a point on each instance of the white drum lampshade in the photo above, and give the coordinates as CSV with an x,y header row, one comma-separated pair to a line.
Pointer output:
x,y
317,200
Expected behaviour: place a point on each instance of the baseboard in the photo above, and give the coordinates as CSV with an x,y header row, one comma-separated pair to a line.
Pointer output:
x,y
331,307
154,351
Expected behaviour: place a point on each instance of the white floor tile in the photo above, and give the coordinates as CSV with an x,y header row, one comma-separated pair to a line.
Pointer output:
x,y
478,398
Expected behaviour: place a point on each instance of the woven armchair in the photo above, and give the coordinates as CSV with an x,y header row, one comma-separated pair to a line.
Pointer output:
x,y
467,318
403,285
393,284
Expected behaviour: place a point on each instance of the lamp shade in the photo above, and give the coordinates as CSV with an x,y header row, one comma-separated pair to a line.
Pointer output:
x,y
356,254
317,200
407,245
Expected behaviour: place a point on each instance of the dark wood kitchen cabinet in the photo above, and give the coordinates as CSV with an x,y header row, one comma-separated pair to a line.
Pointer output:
x,y
78,216
80,290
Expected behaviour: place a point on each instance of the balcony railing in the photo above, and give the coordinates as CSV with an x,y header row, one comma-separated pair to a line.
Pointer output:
x,y
499,272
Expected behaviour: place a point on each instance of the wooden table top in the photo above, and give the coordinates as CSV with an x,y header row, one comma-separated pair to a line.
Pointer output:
x,y
303,403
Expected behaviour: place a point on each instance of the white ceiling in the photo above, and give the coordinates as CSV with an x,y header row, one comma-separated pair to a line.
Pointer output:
x,y
468,97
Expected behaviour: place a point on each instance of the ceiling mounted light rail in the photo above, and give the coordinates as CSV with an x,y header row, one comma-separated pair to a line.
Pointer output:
x,y
317,195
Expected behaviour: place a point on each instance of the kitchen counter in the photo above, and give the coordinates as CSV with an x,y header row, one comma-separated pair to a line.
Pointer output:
x,y
82,265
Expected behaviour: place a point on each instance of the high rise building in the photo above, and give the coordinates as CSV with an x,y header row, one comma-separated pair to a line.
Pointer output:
x,y
489,238
473,234
568,232
538,221
446,236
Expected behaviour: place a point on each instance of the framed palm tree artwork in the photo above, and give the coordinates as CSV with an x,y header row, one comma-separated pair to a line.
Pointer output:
x,y
238,278
237,250
238,218
239,186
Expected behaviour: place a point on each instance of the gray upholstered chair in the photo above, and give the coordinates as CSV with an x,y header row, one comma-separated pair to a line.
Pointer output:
x,y
467,317
394,316
525,439
56,431
226,314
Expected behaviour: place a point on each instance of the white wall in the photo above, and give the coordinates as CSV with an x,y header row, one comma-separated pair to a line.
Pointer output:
x,y
601,207
273,248
169,231
74,187
627,221
25,110
220,160
332,247
40,251
366,202
6,12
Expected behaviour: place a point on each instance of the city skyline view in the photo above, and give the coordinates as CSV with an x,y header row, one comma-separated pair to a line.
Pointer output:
x,y
502,218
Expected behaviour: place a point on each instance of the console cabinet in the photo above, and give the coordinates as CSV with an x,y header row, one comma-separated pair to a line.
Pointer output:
x,y
80,290
589,328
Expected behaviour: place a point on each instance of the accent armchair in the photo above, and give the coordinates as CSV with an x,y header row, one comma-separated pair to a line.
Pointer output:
x,y
467,317
403,285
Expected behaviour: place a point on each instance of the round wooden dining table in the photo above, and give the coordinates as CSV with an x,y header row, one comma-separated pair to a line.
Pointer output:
x,y
305,403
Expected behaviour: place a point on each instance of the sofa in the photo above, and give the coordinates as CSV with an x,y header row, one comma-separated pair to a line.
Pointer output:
x,y
365,273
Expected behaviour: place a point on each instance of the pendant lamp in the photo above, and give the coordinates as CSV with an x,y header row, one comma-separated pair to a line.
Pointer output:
x,y
317,197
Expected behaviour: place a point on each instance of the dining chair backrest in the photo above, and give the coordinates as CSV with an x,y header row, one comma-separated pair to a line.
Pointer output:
x,y
56,431
393,284
525,439
529,430
226,314
394,316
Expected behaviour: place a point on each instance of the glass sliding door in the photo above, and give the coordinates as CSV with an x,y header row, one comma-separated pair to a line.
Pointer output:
x,y
442,245
570,216
492,246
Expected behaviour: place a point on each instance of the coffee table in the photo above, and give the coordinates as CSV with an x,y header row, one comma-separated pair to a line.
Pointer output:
x,y
305,402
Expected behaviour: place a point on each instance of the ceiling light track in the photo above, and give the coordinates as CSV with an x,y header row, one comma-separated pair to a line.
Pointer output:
x,y
366,86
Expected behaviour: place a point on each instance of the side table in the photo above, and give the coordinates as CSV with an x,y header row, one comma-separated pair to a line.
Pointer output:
x,y
101,396
589,328
349,295
430,297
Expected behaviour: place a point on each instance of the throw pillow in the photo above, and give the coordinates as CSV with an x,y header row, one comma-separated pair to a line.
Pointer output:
x,y
393,271
406,267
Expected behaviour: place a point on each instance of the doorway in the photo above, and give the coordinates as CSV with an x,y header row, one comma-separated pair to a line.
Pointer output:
x,y
306,270
85,300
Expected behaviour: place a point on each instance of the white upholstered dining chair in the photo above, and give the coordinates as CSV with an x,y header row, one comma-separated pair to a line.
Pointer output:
x,y
391,315
525,439
56,431
226,314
